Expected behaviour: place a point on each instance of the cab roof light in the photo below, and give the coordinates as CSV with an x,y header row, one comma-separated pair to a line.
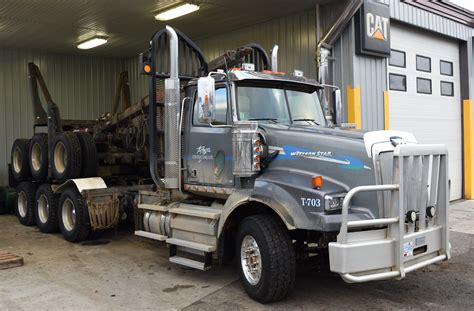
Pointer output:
x,y
176,11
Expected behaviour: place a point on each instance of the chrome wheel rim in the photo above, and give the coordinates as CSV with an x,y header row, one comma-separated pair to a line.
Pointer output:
x,y
251,260
22,204
36,158
17,160
43,209
68,215
60,157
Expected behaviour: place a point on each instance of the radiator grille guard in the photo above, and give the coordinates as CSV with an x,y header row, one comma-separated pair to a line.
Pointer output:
x,y
412,179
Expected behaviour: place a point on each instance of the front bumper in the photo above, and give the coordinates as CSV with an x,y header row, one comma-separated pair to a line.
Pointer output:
x,y
363,254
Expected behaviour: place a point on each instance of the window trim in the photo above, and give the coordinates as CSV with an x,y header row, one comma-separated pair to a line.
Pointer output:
x,y
452,68
195,123
441,88
404,59
399,75
431,86
416,63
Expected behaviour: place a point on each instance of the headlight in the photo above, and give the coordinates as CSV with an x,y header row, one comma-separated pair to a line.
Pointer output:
x,y
333,202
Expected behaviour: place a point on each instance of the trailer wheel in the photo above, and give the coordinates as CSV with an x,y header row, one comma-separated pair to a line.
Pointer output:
x,y
267,262
89,154
25,203
19,160
38,156
73,216
46,209
67,157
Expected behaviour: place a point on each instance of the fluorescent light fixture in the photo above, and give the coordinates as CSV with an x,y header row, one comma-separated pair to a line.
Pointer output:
x,y
92,43
177,11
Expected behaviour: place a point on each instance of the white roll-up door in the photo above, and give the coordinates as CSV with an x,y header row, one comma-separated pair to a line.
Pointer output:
x,y
425,99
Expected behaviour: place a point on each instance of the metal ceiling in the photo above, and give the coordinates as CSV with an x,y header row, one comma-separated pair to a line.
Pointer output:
x,y
58,25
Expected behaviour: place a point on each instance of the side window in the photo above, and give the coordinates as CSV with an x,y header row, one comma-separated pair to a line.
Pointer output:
x,y
397,59
446,68
447,88
221,108
397,82
423,63
423,86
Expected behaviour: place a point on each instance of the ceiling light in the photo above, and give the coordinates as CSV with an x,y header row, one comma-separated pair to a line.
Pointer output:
x,y
92,43
176,11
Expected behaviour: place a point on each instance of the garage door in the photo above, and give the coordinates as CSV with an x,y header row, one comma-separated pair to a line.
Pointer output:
x,y
425,93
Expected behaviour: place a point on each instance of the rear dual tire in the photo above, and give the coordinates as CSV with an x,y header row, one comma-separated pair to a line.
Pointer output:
x,y
73,216
46,209
20,167
67,157
25,203
38,156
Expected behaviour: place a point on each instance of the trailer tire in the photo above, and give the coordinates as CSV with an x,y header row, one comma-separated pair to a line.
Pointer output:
x,y
67,157
38,156
73,216
20,167
89,154
263,241
46,209
25,203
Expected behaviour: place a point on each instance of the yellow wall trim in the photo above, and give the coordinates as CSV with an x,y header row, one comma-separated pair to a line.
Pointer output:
x,y
386,112
468,150
353,106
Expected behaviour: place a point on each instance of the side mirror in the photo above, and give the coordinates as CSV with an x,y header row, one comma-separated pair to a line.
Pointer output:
x,y
206,96
337,106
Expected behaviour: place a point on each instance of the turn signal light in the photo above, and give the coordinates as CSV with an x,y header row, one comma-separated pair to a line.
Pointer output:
x,y
317,182
147,68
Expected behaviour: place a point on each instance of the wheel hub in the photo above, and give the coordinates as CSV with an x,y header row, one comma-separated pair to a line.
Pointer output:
x,y
69,215
22,204
43,209
251,260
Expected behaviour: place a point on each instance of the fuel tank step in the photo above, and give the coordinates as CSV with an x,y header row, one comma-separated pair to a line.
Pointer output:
x,y
192,245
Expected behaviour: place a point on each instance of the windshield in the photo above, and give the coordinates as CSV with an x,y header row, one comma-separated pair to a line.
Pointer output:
x,y
279,105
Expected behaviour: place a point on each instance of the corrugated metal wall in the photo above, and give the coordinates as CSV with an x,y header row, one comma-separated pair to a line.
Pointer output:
x,y
295,35
82,87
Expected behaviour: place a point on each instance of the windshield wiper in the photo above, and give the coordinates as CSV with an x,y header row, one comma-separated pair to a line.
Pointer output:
x,y
264,119
307,120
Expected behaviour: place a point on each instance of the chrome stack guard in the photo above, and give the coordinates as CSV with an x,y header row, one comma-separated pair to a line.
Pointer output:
x,y
395,247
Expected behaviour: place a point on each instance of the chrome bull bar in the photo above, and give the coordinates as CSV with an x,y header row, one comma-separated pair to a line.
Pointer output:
x,y
390,247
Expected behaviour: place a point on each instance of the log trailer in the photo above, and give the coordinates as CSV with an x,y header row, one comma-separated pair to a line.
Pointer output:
x,y
243,167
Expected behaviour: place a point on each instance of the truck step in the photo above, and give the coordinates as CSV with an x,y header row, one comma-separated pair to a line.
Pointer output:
x,y
193,245
196,211
151,235
190,263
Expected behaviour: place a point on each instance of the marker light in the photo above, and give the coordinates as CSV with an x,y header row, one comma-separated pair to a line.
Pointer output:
x,y
176,11
147,68
317,182
92,43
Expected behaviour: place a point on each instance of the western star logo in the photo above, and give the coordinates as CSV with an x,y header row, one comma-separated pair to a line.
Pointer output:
x,y
377,27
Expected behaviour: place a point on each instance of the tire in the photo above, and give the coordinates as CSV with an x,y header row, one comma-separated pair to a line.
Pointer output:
x,y
46,209
89,154
277,258
67,157
73,216
19,160
38,156
25,203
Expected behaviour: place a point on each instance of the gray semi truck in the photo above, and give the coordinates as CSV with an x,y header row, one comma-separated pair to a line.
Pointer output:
x,y
245,167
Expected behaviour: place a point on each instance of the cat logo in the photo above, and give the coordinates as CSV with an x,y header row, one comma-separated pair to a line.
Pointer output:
x,y
377,27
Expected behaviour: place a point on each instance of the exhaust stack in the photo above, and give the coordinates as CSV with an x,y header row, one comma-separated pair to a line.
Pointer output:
x,y
172,112
275,58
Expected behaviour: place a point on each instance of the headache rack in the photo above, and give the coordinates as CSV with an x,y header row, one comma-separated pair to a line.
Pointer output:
x,y
391,246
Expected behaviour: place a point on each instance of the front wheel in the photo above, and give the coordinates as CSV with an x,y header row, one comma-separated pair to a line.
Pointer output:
x,y
267,262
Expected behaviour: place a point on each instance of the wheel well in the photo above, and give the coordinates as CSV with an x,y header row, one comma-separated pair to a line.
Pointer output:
x,y
229,231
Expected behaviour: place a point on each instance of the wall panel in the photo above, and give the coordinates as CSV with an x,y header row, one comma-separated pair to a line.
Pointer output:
x,y
83,88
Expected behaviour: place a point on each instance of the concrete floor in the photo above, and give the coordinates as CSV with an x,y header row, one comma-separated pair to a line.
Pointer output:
x,y
125,272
